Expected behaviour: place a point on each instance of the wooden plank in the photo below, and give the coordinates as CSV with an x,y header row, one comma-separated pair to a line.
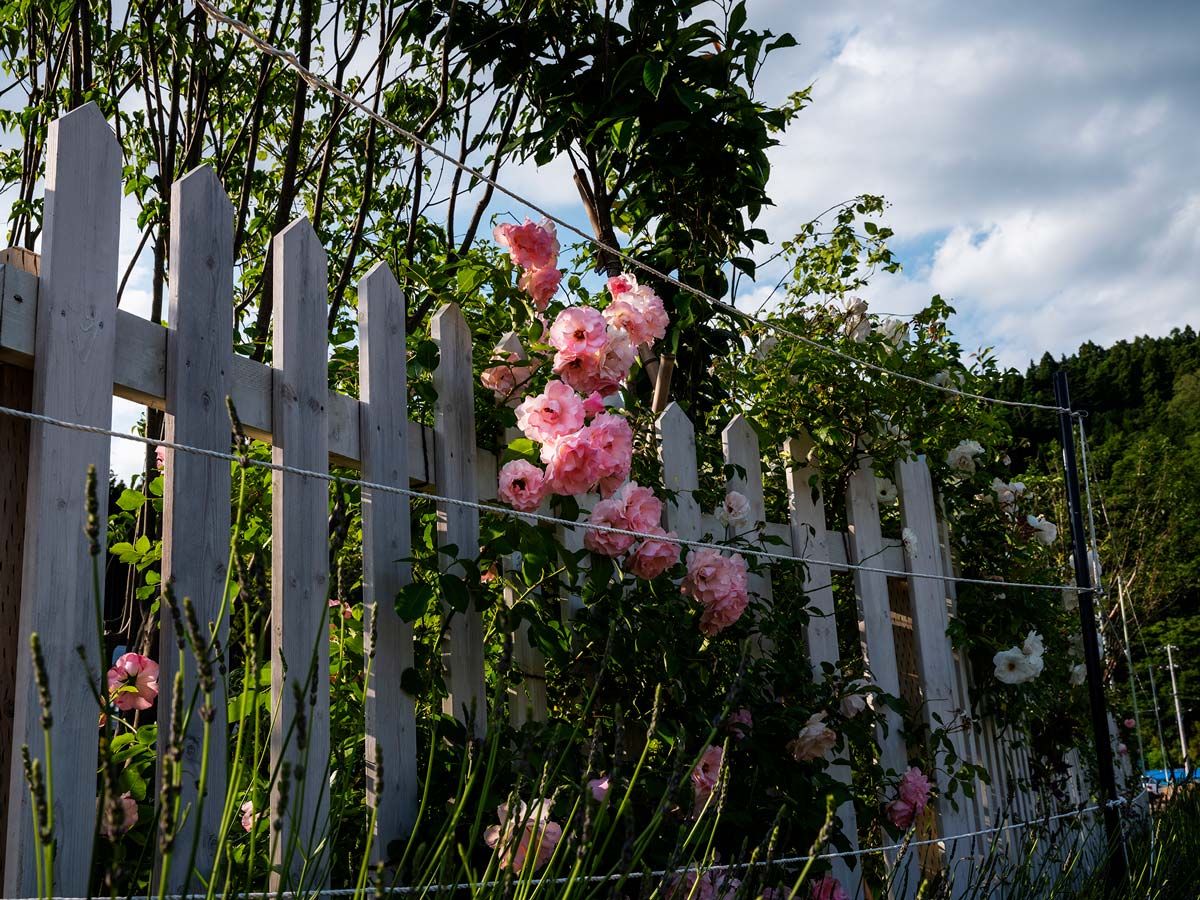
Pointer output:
x,y
806,505
390,711
739,443
196,495
879,650
75,348
458,526
527,701
943,706
300,555
681,480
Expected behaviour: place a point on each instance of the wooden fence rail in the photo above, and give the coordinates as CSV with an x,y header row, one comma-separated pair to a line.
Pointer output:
x,y
65,327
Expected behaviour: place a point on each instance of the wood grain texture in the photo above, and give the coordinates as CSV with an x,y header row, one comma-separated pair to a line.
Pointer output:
x,y
681,480
526,701
196,496
391,727
75,347
879,649
458,526
943,706
739,443
300,553
806,506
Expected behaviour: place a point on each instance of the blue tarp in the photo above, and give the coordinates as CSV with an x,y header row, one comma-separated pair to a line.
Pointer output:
x,y
1161,776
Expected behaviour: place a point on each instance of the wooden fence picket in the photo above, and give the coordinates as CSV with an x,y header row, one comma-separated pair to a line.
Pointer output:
x,y
806,504
879,649
681,479
943,707
739,443
526,703
458,526
196,507
75,348
300,554
390,711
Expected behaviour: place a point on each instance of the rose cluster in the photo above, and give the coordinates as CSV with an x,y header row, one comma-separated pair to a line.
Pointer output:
x,y
533,247
911,799
1018,665
718,583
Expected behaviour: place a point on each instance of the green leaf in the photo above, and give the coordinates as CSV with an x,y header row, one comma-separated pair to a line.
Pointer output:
x,y
412,601
454,592
654,73
131,500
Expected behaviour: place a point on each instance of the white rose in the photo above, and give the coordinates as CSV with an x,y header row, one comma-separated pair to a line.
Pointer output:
x,y
1034,645
735,511
962,457
894,331
1014,667
1045,532
1078,674
885,491
908,537
853,704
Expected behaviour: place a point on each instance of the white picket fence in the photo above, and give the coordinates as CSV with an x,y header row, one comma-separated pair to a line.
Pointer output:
x,y
64,326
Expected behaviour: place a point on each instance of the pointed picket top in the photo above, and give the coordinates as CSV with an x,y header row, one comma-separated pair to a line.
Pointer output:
x,y
740,443
196,488
681,479
201,188
389,714
458,526
510,342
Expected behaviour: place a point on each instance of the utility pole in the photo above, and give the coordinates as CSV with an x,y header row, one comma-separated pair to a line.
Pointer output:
x,y
1137,715
1091,643
1183,748
1162,744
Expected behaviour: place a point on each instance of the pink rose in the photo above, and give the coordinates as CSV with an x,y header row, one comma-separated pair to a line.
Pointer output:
x,y
1129,723
529,246
521,831
612,438
734,511
913,795
129,816
160,456
522,485
578,330
719,584
707,773
621,284
133,682
651,558
573,464
814,741
540,284
504,380
580,370
640,314
828,888
599,788
740,723
593,405
641,508
249,816
555,412
608,513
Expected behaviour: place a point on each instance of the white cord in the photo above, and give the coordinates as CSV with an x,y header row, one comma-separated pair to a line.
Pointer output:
x,y
318,82
502,510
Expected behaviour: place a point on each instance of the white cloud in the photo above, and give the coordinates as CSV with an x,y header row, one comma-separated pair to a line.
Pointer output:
x,y
1044,157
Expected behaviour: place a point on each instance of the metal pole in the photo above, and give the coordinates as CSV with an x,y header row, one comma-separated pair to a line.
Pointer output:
x,y
1091,643
1137,715
1162,744
1183,747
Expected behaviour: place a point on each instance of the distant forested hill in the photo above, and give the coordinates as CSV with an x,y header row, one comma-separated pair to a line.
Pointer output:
x,y
1143,428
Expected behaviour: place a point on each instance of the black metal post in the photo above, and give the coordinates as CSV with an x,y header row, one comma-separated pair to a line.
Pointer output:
x,y
1091,644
